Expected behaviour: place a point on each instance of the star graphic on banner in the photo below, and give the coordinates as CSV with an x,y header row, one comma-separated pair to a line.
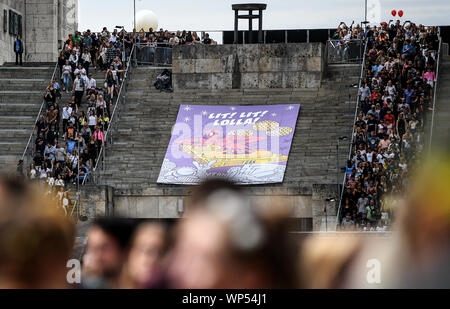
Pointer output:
x,y
274,115
205,113
233,108
290,108
187,119
188,108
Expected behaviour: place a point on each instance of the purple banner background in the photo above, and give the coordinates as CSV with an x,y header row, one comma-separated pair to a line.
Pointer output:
x,y
246,144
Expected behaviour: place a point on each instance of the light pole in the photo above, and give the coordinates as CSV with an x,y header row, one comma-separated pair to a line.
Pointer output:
x,y
325,210
342,138
365,10
134,32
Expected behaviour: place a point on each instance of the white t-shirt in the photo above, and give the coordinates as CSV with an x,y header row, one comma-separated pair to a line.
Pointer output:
x,y
78,71
86,57
77,84
66,69
92,121
43,174
51,181
380,158
91,83
66,112
65,202
391,90
33,174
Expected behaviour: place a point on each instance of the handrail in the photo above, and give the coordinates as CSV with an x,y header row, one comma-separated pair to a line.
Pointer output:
x,y
358,101
438,62
38,115
113,114
103,148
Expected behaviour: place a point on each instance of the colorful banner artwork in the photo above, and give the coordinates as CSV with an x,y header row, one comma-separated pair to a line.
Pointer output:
x,y
245,144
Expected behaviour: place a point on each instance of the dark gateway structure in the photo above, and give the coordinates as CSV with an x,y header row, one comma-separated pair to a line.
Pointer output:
x,y
250,8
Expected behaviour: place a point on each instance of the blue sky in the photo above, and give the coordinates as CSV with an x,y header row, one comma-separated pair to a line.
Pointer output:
x,y
280,14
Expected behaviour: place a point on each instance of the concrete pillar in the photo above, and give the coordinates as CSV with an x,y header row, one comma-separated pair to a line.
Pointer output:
x,y
236,26
260,38
250,27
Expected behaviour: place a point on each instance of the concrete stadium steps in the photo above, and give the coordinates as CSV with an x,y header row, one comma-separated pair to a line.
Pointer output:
x,y
21,95
341,76
144,78
8,162
441,132
25,109
22,84
36,72
145,122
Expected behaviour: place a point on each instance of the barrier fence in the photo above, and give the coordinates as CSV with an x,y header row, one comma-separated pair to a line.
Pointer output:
x,y
339,51
154,54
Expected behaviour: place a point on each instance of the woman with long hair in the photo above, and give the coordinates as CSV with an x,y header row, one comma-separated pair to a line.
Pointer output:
x,y
110,81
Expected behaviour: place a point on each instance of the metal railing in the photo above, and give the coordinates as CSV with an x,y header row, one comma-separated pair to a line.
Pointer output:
x,y
154,54
101,157
28,149
339,51
438,62
358,103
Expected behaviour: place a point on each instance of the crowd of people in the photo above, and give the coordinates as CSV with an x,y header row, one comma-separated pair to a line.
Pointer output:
x,y
69,135
227,240
155,47
395,95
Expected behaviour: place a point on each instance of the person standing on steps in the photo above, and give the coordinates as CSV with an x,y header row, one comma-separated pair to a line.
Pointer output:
x,y
18,49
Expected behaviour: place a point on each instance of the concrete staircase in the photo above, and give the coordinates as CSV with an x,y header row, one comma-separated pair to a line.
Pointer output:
x,y
145,122
441,132
21,94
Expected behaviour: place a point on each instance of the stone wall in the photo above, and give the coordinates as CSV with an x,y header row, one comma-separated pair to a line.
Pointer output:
x,y
151,203
41,24
67,19
7,40
248,66
45,24
324,220
95,201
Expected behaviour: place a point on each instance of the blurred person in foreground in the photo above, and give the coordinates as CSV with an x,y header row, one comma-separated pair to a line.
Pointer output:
x,y
415,255
35,239
425,226
418,252
144,258
108,240
229,241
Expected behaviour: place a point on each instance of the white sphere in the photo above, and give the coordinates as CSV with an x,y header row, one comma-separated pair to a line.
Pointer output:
x,y
146,19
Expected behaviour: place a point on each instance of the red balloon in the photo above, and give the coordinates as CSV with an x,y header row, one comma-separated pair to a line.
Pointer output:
x,y
400,13
394,12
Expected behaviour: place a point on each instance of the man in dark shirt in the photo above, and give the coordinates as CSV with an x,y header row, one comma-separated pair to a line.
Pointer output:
x,y
372,141
38,159
39,145
371,125
149,33
40,125
207,40
71,132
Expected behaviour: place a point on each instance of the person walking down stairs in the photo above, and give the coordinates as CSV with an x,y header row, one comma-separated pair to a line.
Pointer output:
x,y
18,49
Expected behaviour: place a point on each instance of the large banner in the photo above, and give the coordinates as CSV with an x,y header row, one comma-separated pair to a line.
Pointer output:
x,y
245,144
